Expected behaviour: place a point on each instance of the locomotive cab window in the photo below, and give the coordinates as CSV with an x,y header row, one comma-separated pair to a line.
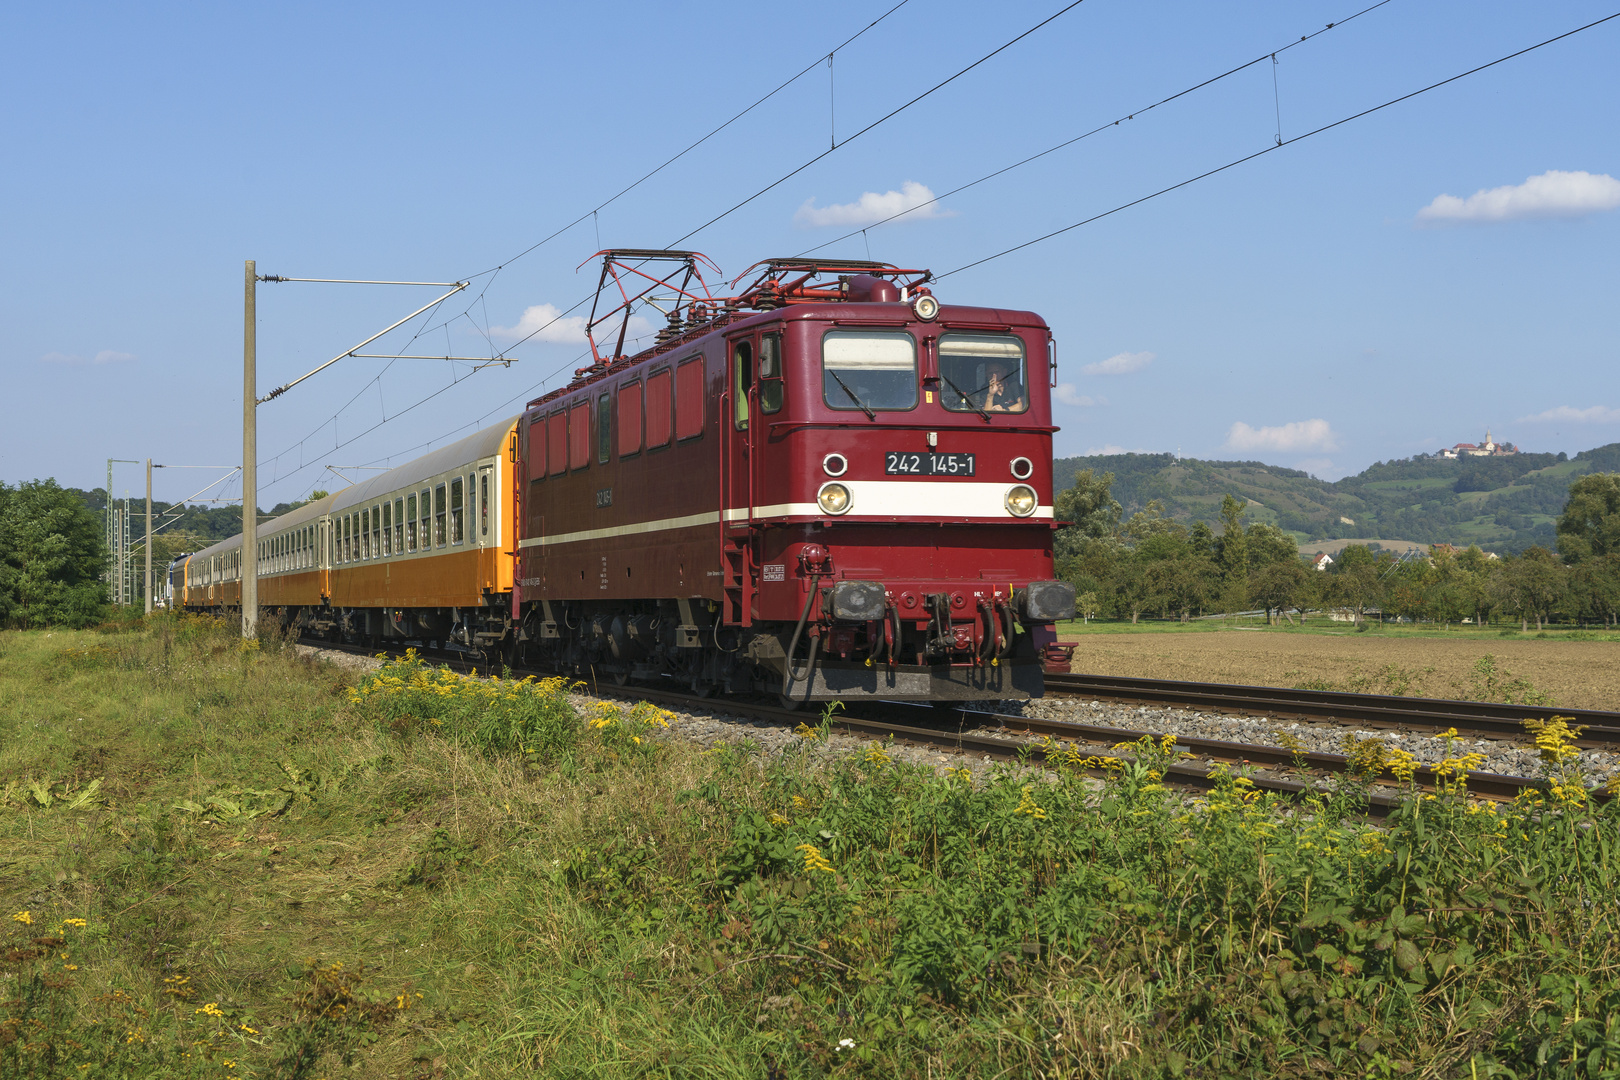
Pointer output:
x,y
869,370
455,510
982,371
770,373
742,381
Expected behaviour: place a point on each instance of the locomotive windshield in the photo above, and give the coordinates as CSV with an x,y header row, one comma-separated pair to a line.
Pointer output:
x,y
869,369
982,372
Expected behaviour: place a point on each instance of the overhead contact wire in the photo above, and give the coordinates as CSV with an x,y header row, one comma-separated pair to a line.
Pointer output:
x,y
1279,146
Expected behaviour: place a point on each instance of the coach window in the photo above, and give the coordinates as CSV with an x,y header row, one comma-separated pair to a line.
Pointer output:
x,y
689,399
399,526
472,504
864,370
579,435
770,373
388,529
982,371
483,505
376,532
368,530
410,523
604,428
438,516
742,381
455,510
659,404
427,511
343,543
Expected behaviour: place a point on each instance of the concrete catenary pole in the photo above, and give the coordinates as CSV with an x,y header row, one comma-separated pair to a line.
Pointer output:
x,y
250,450
148,586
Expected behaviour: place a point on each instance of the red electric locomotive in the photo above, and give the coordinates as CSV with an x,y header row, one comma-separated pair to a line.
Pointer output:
x,y
827,486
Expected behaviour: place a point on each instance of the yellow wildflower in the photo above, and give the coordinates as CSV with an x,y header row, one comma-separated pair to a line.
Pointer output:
x,y
813,861
778,819
211,1009
1027,805
24,917
876,755
1555,739
1402,764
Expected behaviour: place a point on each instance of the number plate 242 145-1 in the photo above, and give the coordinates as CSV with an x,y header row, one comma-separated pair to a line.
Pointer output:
x,y
927,463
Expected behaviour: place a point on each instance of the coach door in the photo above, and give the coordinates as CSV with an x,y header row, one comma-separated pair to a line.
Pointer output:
x,y
485,525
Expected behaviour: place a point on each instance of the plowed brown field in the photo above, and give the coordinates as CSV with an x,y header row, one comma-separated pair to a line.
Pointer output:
x,y
1577,674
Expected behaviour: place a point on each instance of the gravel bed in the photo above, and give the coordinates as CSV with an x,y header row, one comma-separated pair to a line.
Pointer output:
x,y
1517,758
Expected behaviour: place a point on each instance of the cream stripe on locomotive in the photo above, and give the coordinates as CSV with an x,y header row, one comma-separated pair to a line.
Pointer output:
x,y
882,498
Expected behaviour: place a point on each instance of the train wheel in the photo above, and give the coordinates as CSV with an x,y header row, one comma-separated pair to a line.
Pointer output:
x,y
621,676
703,688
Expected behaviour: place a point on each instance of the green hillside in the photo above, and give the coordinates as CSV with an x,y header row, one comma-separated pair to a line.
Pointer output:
x,y
1503,504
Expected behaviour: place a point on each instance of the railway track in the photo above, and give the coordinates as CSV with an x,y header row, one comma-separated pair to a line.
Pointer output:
x,y
1005,737
1473,719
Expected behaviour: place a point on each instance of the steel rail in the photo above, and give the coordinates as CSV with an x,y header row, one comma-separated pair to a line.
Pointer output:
x,y
1474,718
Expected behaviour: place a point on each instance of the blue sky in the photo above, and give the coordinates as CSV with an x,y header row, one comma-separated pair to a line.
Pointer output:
x,y
1304,309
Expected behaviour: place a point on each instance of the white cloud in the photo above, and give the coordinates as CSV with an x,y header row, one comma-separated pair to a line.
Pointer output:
x,y
105,356
546,322
1110,449
1298,435
1597,414
1120,364
872,207
1069,395
1552,194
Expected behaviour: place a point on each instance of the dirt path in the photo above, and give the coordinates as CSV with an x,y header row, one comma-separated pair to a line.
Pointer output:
x,y
1579,674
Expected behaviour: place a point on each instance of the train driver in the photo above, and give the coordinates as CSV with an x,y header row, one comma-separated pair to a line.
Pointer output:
x,y
1003,391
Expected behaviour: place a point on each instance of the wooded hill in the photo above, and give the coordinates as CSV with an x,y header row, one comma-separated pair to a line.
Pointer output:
x,y
1503,504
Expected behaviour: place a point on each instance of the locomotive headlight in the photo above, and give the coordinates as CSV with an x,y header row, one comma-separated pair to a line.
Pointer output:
x,y
926,308
834,498
1021,500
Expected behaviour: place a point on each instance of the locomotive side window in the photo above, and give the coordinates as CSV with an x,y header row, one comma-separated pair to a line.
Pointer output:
x,y
604,428
869,369
982,371
770,373
689,399
537,448
742,382
410,523
557,442
455,510
579,435
438,516
659,404
629,419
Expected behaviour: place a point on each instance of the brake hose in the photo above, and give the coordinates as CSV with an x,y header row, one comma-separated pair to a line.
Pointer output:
x,y
788,678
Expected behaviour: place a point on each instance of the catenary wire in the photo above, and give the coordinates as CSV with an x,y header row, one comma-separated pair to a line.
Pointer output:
x,y
1278,146
1096,130
880,120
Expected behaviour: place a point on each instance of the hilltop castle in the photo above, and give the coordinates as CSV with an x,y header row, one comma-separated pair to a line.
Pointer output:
x,y
1489,448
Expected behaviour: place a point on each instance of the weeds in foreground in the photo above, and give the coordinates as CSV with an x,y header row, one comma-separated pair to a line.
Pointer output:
x,y
636,906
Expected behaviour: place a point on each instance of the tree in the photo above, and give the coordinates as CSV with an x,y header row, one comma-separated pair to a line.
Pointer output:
x,y
1590,524
1595,582
1231,554
51,557
1533,585
1281,585
1267,544
1356,580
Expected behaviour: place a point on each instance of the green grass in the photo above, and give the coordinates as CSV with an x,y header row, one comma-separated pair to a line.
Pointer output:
x,y
286,872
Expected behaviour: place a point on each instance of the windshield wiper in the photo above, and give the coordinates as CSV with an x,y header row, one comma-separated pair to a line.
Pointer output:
x,y
976,406
870,415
